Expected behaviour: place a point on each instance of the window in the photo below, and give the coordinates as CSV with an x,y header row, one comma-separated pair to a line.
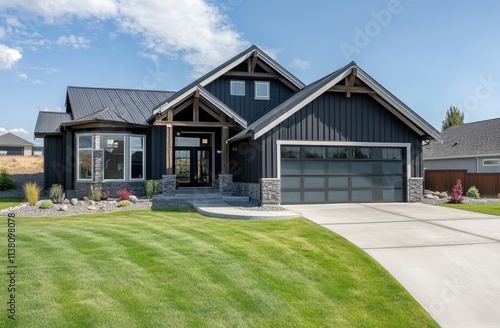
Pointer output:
x,y
123,158
314,152
85,158
361,153
491,162
136,157
262,90
237,88
336,152
290,152
391,153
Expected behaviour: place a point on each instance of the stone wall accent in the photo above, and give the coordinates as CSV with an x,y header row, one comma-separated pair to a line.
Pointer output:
x,y
416,189
252,190
225,184
98,170
83,189
169,184
270,191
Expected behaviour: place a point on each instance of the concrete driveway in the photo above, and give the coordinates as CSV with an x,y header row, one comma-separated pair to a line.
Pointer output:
x,y
449,260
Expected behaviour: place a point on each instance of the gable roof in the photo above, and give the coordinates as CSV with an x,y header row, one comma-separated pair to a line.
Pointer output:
x,y
10,139
315,89
48,123
226,67
124,105
466,140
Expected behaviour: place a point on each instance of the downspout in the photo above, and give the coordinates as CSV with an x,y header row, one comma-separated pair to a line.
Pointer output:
x,y
477,164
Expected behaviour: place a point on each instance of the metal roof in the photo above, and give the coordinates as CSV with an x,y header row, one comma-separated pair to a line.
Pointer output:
x,y
315,89
131,106
10,139
224,68
467,140
49,122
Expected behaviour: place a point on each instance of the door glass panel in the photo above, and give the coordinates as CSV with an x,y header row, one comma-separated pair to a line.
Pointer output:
x,y
183,166
314,196
203,166
187,142
310,182
338,182
290,183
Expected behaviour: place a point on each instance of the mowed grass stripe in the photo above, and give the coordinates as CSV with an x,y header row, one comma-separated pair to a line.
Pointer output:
x,y
169,269
76,283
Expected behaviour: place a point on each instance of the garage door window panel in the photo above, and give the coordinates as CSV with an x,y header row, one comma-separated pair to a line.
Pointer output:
x,y
338,182
291,183
314,182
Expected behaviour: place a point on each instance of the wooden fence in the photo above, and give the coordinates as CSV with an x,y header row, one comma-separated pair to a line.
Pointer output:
x,y
488,184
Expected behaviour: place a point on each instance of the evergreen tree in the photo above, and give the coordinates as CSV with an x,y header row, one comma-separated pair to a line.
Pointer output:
x,y
453,117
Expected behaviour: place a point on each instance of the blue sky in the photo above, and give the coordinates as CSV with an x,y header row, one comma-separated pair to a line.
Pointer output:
x,y
430,54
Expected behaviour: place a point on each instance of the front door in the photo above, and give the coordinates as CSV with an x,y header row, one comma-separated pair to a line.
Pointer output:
x,y
193,159
192,166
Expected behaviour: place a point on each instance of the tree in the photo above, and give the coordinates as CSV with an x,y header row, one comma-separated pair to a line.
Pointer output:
x,y
453,117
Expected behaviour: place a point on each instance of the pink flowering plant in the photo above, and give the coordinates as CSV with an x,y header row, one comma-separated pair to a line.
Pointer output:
x,y
457,192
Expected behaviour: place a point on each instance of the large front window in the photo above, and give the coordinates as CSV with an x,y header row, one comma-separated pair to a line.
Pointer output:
x,y
123,156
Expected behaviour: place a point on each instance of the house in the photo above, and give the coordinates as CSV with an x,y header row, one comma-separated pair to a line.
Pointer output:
x,y
474,147
10,144
247,127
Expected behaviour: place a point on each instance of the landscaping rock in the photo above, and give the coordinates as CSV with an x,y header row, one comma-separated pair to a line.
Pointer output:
x,y
429,196
133,199
63,208
74,201
91,202
92,208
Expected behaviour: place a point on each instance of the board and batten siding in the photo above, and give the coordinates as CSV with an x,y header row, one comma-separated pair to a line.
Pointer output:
x,y
156,153
247,106
472,165
334,117
245,161
53,161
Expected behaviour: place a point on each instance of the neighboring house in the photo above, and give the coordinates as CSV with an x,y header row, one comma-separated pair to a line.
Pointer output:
x,y
10,144
247,127
474,147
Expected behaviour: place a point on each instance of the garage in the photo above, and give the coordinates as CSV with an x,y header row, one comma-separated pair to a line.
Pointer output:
x,y
5,150
340,174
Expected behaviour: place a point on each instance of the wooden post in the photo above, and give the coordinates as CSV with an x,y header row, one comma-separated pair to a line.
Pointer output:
x,y
196,106
225,151
170,149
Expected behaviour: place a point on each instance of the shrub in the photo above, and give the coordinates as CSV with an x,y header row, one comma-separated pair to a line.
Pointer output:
x,y
153,187
46,204
6,182
95,193
473,192
458,192
32,192
123,194
56,193
124,203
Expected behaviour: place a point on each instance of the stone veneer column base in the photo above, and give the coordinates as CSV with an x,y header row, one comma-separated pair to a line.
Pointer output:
x,y
251,190
270,191
416,189
225,184
169,184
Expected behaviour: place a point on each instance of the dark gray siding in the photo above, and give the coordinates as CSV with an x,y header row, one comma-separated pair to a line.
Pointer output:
x,y
156,159
13,150
334,117
69,160
53,161
246,106
244,161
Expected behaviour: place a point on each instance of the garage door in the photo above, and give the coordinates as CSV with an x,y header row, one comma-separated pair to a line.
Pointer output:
x,y
4,150
311,174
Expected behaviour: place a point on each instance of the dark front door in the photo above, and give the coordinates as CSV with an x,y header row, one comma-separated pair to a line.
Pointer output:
x,y
193,166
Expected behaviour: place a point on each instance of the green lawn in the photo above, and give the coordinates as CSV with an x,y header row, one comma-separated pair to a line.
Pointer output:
x,y
493,209
178,269
6,202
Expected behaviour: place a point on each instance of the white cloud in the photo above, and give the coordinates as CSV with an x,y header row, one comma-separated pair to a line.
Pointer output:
x,y
13,22
18,131
153,57
300,64
77,42
23,76
49,109
194,30
37,82
2,33
8,56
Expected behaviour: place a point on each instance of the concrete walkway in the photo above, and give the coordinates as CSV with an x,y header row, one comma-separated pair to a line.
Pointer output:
x,y
449,260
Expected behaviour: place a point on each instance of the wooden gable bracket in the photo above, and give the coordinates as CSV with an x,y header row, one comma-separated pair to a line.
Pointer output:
x,y
349,86
196,106
252,62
